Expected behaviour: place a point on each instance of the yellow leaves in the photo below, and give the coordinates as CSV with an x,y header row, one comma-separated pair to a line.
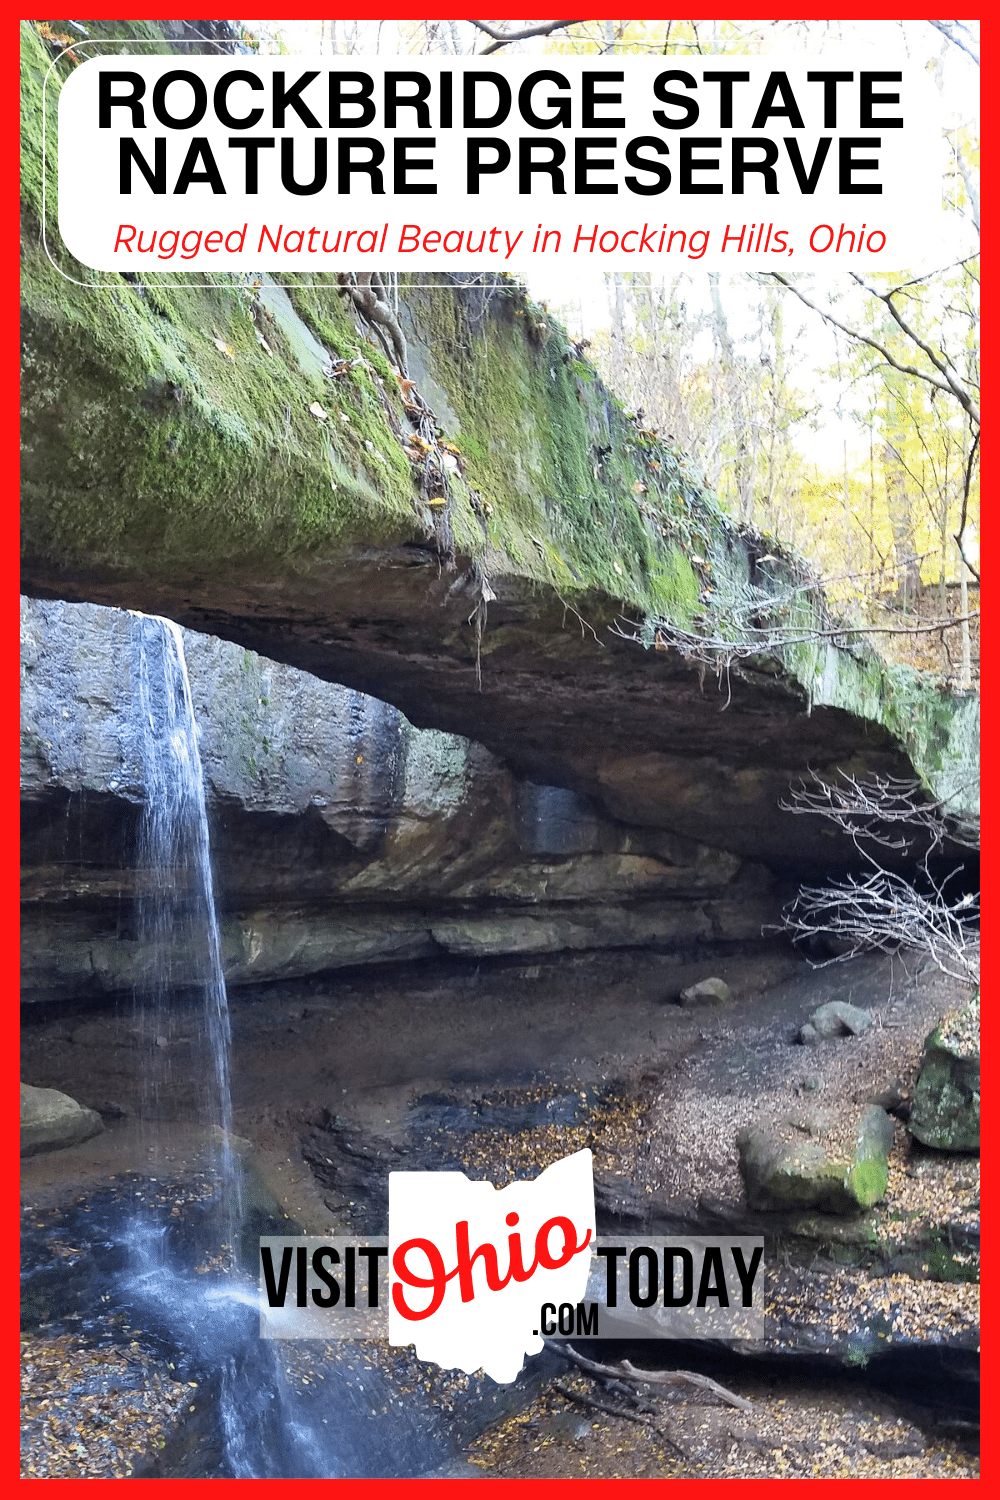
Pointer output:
x,y
58,41
223,347
639,488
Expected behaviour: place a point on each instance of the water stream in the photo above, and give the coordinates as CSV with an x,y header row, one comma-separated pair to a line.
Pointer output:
x,y
179,928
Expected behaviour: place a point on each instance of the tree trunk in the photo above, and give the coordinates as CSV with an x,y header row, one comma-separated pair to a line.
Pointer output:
x,y
900,509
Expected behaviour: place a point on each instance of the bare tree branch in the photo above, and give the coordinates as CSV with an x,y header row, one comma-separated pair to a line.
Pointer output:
x,y
947,384
756,629
881,909
884,810
950,29
504,38
611,1374
941,365
970,186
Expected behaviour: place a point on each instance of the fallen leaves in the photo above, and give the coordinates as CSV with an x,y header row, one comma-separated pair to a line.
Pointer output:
x,y
92,1413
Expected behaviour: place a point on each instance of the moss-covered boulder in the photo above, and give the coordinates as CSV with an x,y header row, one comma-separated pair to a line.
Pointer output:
x,y
945,1110
812,1165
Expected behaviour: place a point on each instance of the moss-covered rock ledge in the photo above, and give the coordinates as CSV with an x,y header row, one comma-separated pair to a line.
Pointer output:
x,y
242,457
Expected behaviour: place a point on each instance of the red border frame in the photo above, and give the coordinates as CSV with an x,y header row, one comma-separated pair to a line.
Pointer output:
x,y
9,919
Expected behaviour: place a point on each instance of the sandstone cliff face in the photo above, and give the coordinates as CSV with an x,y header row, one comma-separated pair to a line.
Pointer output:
x,y
487,547
342,835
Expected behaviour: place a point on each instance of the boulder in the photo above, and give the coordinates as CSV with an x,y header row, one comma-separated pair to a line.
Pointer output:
x,y
705,992
945,1109
783,1169
835,1019
51,1120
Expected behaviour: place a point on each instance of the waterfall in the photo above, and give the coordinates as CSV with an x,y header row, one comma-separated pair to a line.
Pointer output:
x,y
178,924
267,1421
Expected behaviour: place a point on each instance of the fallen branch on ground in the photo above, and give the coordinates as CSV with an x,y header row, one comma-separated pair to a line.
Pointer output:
x,y
629,1373
580,1399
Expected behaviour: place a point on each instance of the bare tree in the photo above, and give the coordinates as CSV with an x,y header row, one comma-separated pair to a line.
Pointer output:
x,y
935,370
752,622
877,908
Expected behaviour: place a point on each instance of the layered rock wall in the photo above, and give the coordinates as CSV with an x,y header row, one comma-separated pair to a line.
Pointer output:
x,y
342,835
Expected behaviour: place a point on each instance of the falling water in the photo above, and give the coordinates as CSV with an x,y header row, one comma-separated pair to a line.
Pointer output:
x,y
178,925
266,1421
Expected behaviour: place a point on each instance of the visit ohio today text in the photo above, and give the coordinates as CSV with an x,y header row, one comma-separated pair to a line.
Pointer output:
x,y
704,129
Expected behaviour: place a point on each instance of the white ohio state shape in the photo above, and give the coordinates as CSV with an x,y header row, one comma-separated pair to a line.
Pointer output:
x,y
495,1329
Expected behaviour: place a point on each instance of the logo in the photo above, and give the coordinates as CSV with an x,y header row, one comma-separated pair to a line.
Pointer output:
x,y
471,1267
477,1278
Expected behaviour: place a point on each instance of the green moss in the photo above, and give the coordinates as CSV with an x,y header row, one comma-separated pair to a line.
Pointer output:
x,y
159,434
156,424
534,434
867,1181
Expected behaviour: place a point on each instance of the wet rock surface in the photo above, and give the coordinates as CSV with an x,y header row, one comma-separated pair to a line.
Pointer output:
x,y
945,1110
132,1368
341,833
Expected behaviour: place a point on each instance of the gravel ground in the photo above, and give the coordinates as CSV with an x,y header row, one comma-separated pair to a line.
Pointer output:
x,y
744,1069
814,1430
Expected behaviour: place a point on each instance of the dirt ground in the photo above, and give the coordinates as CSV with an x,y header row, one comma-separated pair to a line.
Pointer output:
x,y
364,1050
